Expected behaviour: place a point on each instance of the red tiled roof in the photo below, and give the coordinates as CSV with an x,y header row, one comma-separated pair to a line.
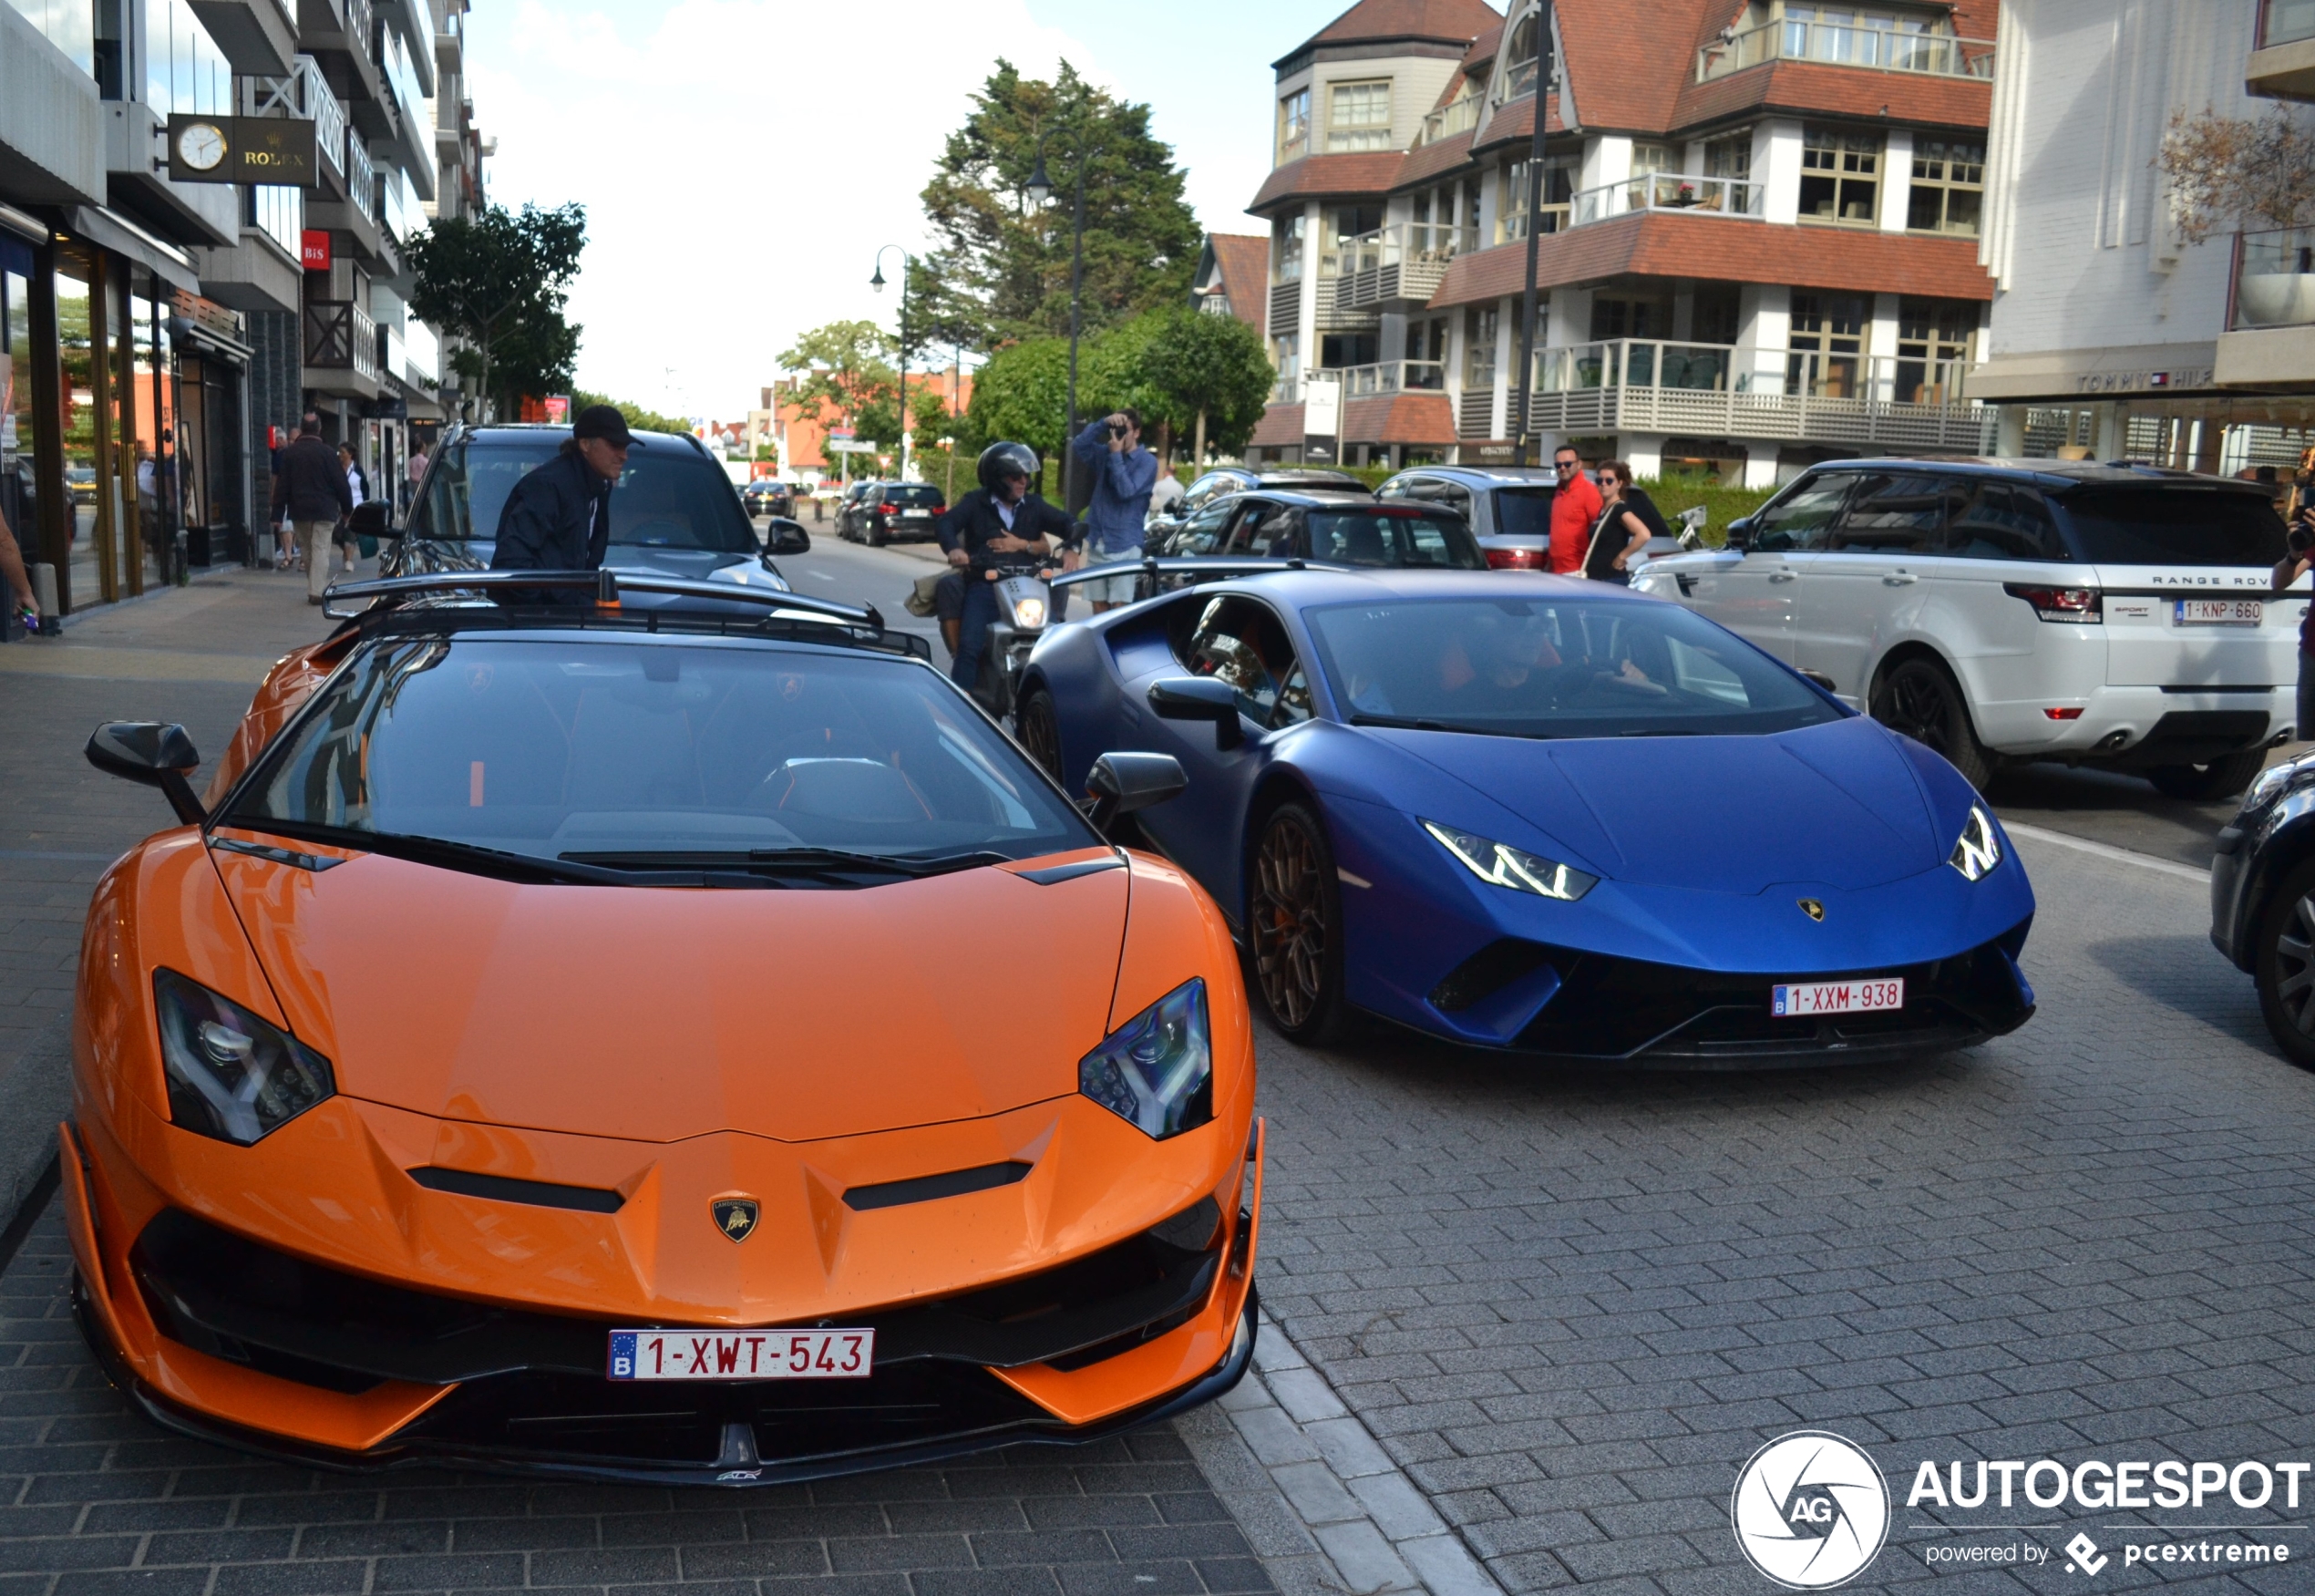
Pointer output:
x,y
1629,59
1280,424
1434,158
1516,123
1447,21
1243,260
1329,174
1484,47
1857,260
1399,419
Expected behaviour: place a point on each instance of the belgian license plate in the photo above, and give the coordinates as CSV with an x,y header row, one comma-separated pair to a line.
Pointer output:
x,y
2217,611
748,1354
1801,999
917,515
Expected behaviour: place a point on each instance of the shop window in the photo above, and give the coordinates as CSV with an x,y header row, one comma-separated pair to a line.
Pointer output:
x,y
1294,126
1948,186
1840,177
1358,116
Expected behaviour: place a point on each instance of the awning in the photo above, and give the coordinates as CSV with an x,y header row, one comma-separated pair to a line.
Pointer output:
x,y
123,237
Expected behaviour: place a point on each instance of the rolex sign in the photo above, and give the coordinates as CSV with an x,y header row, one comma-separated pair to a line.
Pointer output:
x,y
279,150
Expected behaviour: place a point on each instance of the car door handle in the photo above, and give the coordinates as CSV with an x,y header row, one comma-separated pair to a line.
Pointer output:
x,y
1899,579
1782,575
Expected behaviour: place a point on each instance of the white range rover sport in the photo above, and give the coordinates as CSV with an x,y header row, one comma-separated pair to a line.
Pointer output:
x,y
2001,611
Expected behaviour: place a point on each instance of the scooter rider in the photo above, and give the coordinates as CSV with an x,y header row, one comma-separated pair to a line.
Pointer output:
x,y
1002,517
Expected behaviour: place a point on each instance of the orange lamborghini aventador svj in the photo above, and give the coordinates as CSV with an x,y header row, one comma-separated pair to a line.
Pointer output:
x,y
650,1033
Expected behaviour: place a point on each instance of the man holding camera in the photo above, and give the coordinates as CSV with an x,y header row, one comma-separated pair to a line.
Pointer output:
x,y
2297,561
1123,474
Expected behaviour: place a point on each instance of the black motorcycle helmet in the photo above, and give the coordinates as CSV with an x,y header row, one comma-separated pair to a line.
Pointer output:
x,y
1001,461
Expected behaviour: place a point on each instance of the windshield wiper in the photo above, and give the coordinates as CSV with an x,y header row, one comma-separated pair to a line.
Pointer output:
x,y
1404,724
525,868
778,862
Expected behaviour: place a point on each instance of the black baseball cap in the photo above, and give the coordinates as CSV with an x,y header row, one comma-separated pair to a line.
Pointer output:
x,y
602,421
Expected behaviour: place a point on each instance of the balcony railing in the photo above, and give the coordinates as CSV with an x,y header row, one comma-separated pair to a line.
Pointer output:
x,y
1882,49
1394,377
1513,225
2274,279
1714,390
1667,190
1406,261
2286,21
1456,117
361,174
341,336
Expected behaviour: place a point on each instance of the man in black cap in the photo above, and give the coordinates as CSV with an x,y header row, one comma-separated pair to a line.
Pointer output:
x,y
559,517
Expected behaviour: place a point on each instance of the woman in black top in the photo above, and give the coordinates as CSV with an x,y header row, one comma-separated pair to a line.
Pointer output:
x,y
1619,533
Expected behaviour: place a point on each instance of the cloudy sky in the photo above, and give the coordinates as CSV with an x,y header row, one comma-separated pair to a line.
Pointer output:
x,y
742,160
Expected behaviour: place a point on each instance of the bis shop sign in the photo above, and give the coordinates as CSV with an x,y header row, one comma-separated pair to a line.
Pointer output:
x,y
1812,1510
242,150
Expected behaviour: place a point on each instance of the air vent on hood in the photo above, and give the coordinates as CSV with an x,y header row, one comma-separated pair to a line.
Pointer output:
x,y
925,1188
504,1189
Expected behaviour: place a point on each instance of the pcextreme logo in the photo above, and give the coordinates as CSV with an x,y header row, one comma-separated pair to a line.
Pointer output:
x,y
1810,1510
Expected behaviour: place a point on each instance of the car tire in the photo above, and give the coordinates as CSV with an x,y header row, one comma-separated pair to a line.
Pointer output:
x,y
1294,926
2221,778
1036,726
2283,965
876,538
1920,698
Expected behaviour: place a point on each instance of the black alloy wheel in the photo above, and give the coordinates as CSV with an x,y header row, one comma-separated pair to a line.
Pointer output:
x,y
1295,921
876,534
2221,778
2283,965
1920,700
1037,728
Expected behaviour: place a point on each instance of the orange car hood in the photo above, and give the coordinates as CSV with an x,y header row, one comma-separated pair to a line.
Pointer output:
x,y
659,1014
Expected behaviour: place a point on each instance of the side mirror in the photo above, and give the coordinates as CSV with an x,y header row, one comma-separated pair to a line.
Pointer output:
x,y
372,519
1119,784
1200,699
1739,534
783,535
155,752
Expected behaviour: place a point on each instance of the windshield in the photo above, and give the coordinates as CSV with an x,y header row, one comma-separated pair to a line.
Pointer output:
x,y
1555,668
1523,512
1394,537
2173,526
555,748
668,497
914,496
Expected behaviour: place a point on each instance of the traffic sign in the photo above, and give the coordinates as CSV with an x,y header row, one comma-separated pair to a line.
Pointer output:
x,y
841,446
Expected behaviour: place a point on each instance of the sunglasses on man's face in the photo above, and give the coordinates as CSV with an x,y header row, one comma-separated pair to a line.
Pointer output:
x,y
1565,465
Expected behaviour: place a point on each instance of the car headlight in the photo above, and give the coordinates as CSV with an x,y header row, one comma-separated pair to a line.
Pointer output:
x,y
1029,613
1501,865
231,1075
1158,1069
1979,849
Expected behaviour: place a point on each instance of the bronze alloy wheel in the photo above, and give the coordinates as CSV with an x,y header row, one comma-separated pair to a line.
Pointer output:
x,y
1038,731
1294,918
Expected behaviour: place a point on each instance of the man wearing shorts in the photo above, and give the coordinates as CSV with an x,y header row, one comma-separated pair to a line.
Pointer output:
x,y
1123,474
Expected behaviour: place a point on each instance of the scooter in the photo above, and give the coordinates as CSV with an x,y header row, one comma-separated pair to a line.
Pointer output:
x,y
1024,610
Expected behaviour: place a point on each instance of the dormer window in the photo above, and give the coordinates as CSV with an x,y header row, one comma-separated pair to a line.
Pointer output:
x,y
1358,116
1519,56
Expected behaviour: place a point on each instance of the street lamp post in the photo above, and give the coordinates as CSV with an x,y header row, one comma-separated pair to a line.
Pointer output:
x,y
1040,189
877,283
1546,68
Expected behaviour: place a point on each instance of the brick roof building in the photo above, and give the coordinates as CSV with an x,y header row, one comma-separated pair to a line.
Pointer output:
x,y
1758,242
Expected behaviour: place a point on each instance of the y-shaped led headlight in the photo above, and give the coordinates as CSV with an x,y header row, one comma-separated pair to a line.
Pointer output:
x,y
1979,849
231,1076
1501,865
1158,1069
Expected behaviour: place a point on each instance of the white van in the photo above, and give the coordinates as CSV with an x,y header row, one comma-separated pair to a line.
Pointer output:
x,y
2016,609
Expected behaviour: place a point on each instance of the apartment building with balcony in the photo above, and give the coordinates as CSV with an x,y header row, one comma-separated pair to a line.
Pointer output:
x,y
2110,335
1756,244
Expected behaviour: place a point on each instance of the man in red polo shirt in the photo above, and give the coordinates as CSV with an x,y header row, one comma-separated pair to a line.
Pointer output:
x,y
1575,511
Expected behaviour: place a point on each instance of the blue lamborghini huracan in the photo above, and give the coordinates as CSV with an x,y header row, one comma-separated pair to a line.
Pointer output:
x,y
1534,813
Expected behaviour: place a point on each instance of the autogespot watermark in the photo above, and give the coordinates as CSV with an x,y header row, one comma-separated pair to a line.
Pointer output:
x,y
1811,1510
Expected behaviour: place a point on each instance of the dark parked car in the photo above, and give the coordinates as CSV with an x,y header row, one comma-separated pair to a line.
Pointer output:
x,y
674,513
1224,480
853,492
768,496
2262,901
889,511
1509,507
1336,526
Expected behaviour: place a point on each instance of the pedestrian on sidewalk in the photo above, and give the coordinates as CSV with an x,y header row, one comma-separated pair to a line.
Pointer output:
x,y
311,493
19,583
357,483
1619,532
1575,508
1124,473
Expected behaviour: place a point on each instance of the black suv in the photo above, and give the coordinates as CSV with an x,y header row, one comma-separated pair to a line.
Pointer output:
x,y
890,510
768,496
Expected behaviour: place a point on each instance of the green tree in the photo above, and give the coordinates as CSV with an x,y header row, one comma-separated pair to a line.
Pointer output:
x,y
1001,271
497,282
1205,374
638,418
846,371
